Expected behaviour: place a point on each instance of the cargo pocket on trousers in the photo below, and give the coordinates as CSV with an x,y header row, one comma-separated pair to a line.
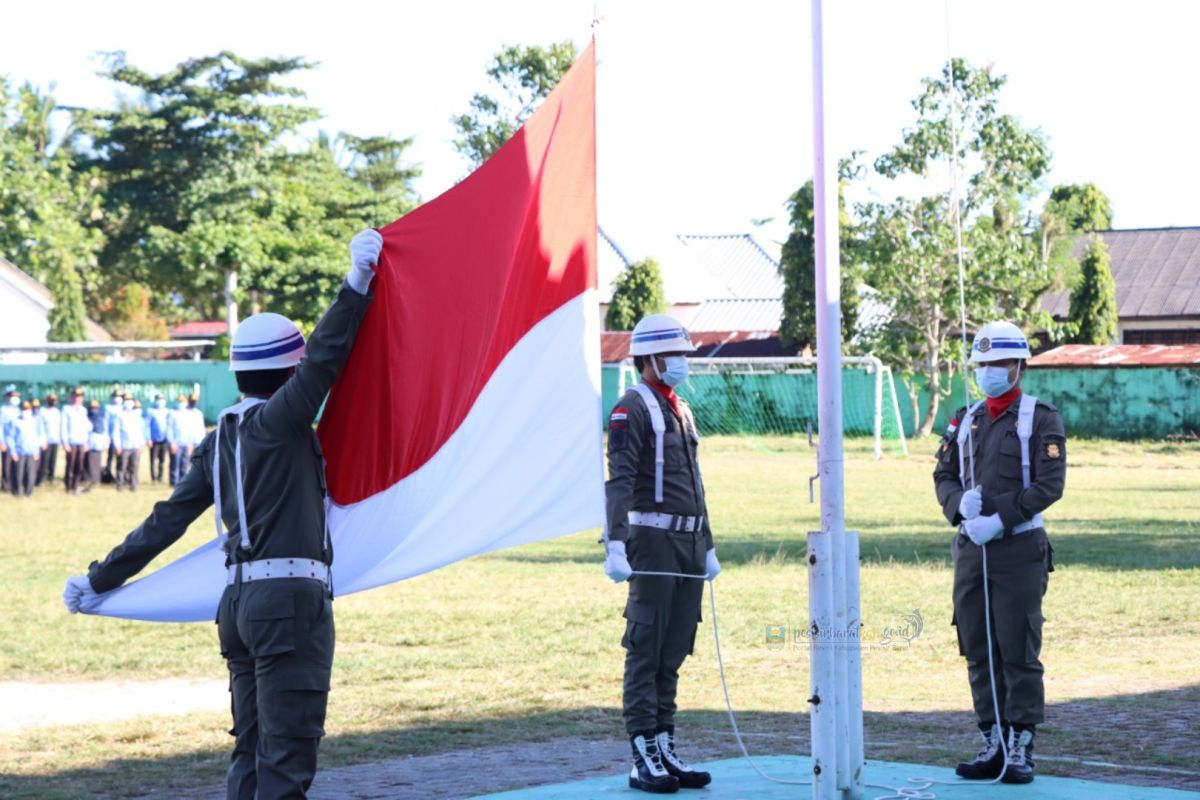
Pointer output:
x,y
295,705
639,617
1033,636
962,651
272,620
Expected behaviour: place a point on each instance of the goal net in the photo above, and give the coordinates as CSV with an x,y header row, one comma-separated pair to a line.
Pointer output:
x,y
779,396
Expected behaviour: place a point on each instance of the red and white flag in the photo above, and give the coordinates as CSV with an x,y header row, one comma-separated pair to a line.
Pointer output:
x,y
468,416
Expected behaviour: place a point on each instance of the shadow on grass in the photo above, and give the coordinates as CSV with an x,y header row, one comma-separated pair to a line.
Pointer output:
x,y
1118,544
1165,724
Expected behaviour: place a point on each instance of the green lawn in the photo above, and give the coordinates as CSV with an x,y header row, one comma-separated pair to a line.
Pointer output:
x,y
524,644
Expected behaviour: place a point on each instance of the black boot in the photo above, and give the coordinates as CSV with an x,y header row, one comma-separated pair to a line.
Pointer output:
x,y
688,778
988,763
648,773
1020,756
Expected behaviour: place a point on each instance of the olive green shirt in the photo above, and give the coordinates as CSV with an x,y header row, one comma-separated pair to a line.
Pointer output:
x,y
284,478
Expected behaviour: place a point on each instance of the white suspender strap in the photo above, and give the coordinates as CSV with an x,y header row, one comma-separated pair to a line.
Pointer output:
x,y
964,432
237,411
660,426
1025,433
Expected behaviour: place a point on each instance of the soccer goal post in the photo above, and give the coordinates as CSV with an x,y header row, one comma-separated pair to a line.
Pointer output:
x,y
732,396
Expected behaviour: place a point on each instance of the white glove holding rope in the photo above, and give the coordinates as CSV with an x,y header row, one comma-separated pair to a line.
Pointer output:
x,y
616,564
971,503
78,595
982,530
711,565
365,248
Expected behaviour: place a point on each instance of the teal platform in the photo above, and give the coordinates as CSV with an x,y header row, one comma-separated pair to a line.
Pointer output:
x,y
733,779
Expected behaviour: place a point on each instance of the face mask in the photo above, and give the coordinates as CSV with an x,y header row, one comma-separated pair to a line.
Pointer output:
x,y
14,401
676,371
129,405
993,380
160,403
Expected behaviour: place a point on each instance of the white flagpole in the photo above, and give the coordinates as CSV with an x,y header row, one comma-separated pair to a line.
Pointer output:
x,y
836,720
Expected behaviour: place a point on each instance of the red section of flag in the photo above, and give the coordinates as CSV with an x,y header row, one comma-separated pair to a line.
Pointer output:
x,y
461,280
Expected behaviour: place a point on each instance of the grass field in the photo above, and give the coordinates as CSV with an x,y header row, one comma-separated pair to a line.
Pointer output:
x,y
524,644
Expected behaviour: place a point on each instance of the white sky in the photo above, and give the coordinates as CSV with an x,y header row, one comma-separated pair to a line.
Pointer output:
x,y
704,110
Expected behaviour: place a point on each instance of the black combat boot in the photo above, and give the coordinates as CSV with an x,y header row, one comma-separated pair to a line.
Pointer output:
x,y
648,773
1020,755
688,778
989,762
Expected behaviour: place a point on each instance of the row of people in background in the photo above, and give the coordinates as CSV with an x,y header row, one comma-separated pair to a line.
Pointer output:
x,y
97,443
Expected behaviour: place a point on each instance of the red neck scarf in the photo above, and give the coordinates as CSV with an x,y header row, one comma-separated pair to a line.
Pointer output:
x,y
668,394
997,405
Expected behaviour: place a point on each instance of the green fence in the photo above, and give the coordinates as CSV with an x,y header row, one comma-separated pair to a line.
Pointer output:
x,y
1122,402
211,380
760,401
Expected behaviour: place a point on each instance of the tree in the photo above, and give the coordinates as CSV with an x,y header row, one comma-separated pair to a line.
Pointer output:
x,y
524,75
797,263
1071,211
199,183
1094,300
637,291
44,205
911,243
68,316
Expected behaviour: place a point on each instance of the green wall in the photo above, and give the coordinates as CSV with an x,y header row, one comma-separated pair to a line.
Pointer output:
x,y
213,380
1122,402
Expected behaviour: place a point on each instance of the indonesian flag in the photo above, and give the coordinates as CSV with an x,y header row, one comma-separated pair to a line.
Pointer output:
x,y
466,419
468,416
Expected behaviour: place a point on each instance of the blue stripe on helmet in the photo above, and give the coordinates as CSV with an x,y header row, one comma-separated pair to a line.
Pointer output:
x,y
292,345
1010,344
654,336
274,342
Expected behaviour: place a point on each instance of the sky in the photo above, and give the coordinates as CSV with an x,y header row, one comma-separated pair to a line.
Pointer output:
x,y
704,109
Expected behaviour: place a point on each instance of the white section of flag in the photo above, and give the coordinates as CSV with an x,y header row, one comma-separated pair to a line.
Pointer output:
x,y
525,465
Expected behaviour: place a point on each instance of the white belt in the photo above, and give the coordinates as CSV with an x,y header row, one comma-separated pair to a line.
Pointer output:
x,y
270,568
1034,523
666,522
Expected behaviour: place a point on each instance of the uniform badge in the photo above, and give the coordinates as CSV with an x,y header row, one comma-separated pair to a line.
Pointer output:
x,y
1053,450
985,344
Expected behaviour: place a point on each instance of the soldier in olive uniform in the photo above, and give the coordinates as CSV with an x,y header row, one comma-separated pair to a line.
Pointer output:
x,y
657,522
275,617
994,482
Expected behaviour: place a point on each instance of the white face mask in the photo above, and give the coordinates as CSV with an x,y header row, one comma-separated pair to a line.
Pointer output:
x,y
993,380
676,371
14,401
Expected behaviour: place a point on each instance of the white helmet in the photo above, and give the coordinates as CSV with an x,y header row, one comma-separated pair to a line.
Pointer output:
x,y
266,341
659,333
998,341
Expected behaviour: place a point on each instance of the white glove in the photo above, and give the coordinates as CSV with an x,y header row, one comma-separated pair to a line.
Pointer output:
x,y
971,503
78,595
711,565
982,530
616,565
365,248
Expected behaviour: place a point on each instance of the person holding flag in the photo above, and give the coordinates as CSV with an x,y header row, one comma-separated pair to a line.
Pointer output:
x,y
263,470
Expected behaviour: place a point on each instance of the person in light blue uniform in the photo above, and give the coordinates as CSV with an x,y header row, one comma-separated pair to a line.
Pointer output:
x,y
112,412
174,439
8,412
76,429
98,442
51,422
24,442
156,415
129,437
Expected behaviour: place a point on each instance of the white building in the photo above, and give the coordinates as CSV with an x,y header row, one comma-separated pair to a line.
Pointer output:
x,y
25,316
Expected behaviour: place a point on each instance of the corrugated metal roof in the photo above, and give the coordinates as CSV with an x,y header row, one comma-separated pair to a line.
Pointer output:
x,y
1120,355
752,314
738,265
614,345
1157,272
